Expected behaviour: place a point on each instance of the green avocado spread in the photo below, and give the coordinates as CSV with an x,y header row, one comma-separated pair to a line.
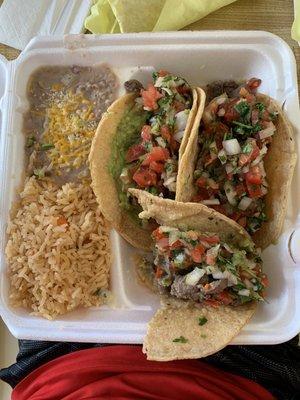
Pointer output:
x,y
128,133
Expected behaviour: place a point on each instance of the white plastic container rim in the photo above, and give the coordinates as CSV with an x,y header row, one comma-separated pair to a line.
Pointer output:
x,y
200,57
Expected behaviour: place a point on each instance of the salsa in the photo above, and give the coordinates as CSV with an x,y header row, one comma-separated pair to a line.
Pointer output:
x,y
203,268
151,162
234,138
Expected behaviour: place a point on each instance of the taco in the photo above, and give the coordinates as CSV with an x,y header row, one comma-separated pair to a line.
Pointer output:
x,y
242,158
138,144
209,273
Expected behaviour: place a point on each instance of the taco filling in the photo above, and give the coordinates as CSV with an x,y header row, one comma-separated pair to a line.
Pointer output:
x,y
203,268
234,138
151,162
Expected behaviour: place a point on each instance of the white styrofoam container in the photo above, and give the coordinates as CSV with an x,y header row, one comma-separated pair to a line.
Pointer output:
x,y
200,57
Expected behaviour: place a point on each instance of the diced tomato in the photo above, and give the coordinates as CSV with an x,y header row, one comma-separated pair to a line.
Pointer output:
x,y
265,281
242,221
197,253
179,106
230,112
145,177
157,154
253,84
158,234
201,195
209,159
213,303
253,176
229,176
176,245
158,167
220,208
247,95
211,239
150,97
164,242
162,73
224,297
201,182
254,190
240,189
146,133
135,152
166,133
159,272
247,158
210,259
183,89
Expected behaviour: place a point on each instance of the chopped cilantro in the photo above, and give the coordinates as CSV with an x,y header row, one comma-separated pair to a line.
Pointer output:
x,y
202,321
39,173
241,125
155,75
260,106
47,146
273,115
247,148
180,339
153,190
243,109
30,141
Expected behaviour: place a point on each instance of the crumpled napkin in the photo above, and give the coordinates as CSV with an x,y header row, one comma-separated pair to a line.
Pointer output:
x,y
113,16
21,20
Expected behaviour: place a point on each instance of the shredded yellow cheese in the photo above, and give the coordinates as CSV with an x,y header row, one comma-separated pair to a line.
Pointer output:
x,y
69,130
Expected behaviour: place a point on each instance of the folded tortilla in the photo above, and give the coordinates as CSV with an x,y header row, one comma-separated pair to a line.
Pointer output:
x,y
104,184
178,318
279,164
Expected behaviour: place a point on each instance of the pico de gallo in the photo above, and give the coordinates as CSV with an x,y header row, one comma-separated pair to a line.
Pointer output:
x,y
151,162
201,267
234,138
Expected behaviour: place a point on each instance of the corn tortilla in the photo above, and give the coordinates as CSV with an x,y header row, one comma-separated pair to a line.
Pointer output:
x,y
179,320
279,164
103,183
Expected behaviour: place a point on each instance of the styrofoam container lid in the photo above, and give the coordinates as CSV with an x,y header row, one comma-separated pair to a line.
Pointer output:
x,y
200,57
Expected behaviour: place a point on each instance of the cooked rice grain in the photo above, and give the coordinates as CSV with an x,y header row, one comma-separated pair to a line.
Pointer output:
x,y
55,268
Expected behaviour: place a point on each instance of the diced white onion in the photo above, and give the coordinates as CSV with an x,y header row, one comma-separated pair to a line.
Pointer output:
x,y
232,147
266,132
244,292
262,169
244,203
181,120
159,81
232,279
229,168
166,229
222,156
221,112
211,202
168,91
193,277
218,275
178,136
245,169
264,190
230,193
161,141
228,248
221,99
170,180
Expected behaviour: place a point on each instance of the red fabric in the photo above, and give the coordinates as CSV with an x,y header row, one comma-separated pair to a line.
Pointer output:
x,y
122,372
